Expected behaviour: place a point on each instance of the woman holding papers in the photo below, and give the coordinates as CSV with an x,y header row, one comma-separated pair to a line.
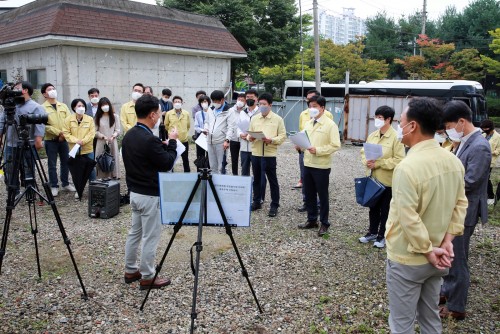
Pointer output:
x,y
79,130
382,152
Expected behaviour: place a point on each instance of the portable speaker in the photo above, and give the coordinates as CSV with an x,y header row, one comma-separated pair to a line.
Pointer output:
x,y
104,199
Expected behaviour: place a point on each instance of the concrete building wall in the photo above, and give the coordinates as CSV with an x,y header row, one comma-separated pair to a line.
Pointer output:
x,y
73,70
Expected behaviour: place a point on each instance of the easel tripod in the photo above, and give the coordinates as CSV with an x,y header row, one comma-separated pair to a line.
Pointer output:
x,y
204,178
26,159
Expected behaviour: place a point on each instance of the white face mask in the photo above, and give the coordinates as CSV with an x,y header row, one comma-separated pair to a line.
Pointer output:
x,y
439,138
204,106
135,95
399,131
240,104
217,105
105,108
454,134
379,123
177,106
94,100
52,94
313,112
80,110
158,122
164,99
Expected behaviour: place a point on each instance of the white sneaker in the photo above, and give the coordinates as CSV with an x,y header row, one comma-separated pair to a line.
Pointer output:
x,y
379,244
367,238
76,195
490,201
55,191
69,187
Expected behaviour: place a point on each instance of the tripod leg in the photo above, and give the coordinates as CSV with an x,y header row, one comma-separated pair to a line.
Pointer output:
x,y
199,248
177,227
34,231
229,232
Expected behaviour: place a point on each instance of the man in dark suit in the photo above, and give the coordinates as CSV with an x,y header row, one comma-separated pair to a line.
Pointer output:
x,y
93,101
475,153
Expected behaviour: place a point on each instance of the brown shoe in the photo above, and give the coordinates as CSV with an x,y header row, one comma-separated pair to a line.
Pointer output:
x,y
129,278
308,225
157,284
444,313
322,230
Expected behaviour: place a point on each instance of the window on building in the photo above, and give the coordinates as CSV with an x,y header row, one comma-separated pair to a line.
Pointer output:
x,y
3,76
36,77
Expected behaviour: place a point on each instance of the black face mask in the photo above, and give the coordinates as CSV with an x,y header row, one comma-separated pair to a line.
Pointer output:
x,y
250,102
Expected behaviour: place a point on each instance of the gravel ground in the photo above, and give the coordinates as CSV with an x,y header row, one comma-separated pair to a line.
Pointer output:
x,y
305,284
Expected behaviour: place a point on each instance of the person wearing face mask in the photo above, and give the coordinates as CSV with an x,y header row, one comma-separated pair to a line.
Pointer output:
x,y
197,106
381,169
304,118
179,119
79,129
165,103
107,126
264,152
218,131
54,140
93,101
250,111
199,121
234,143
324,136
474,152
128,116
493,138
426,215
442,138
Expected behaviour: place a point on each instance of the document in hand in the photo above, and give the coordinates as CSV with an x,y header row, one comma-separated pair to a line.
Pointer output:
x,y
74,150
301,140
259,135
372,151
179,149
202,141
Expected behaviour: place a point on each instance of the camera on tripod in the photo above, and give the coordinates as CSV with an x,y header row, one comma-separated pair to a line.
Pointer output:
x,y
9,98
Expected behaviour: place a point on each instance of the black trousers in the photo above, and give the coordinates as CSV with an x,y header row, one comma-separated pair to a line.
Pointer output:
x,y
234,148
261,167
491,194
379,213
185,158
316,182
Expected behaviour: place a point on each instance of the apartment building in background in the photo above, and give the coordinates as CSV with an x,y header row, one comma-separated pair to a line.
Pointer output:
x,y
341,28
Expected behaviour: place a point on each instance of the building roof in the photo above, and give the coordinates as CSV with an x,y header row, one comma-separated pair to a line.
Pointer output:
x,y
115,24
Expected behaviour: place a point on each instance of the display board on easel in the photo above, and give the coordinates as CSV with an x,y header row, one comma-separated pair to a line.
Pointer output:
x,y
235,194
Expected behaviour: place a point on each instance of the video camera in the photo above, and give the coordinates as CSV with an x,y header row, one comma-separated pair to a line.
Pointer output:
x,y
9,98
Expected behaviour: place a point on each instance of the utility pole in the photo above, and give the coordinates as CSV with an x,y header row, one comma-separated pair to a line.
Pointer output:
x,y
316,46
424,18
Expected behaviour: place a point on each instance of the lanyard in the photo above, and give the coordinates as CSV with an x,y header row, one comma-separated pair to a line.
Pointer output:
x,y
142,126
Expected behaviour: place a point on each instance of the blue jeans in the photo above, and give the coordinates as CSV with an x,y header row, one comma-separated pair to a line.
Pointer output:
x,y
262,167
54,148
246,161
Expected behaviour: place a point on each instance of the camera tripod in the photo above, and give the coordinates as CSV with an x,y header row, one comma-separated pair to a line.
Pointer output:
x,y
204,178
26,160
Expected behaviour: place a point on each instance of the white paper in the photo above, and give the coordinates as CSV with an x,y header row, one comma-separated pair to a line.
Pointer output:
x,y
235,194
243,125
372,151
201,141
301,140
179,149
258,135
74,150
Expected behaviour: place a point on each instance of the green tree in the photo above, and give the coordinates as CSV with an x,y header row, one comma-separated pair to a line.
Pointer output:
x,y
492,64
469,64
267,29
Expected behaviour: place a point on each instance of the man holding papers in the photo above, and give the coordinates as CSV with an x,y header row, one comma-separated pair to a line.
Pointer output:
x,y
324,137
266,132
381,155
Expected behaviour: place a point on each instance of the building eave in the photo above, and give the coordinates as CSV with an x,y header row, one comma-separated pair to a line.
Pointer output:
x,y
54,40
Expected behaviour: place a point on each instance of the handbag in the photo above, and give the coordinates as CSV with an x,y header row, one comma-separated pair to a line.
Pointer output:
x,y
368,191
105,161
